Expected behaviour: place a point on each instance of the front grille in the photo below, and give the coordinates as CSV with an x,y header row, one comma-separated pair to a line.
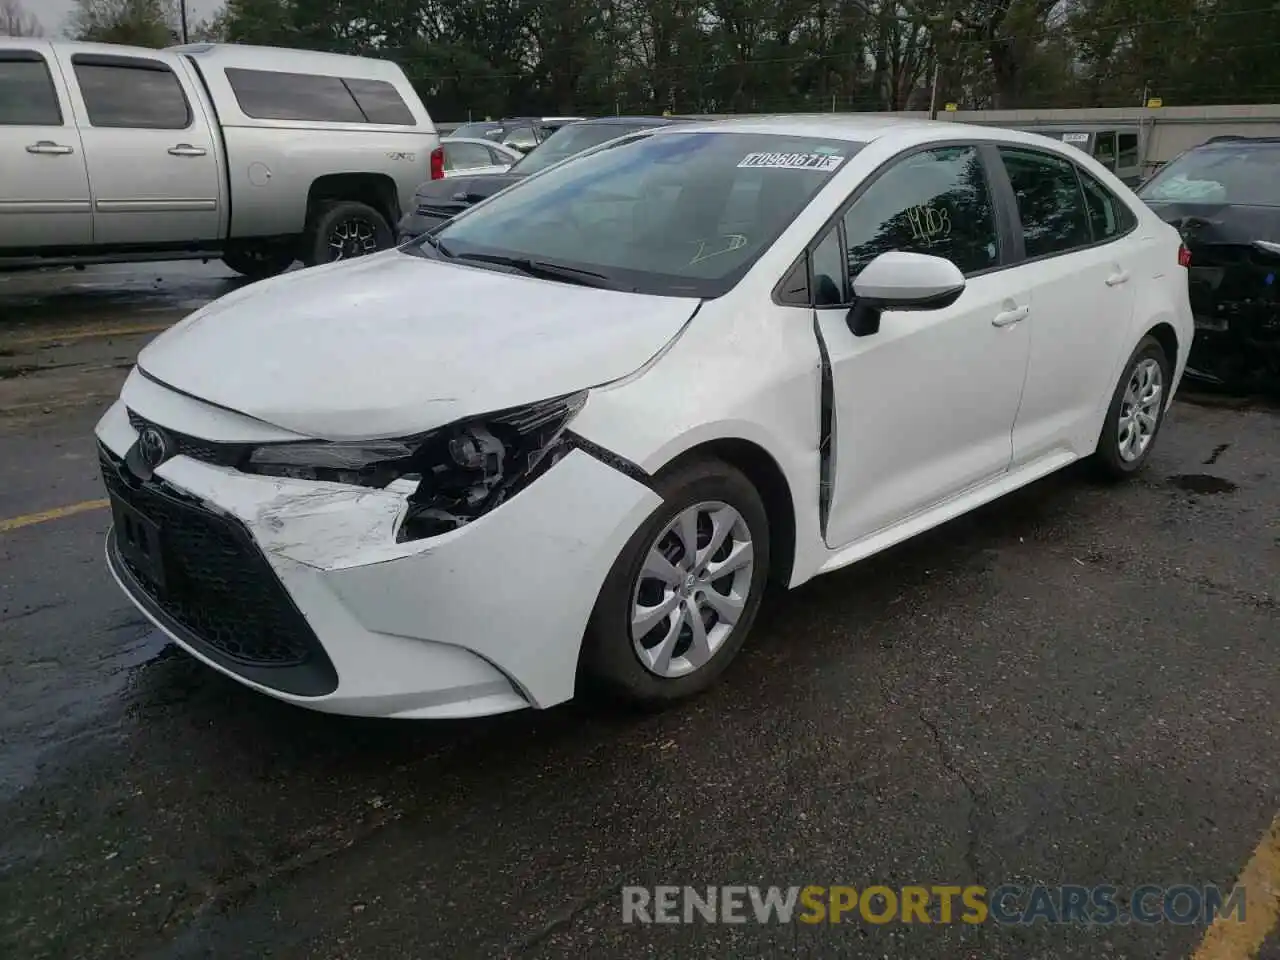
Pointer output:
x,y
220,594
209,451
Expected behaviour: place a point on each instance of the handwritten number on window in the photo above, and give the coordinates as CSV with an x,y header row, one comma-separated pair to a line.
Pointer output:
x,y
929,224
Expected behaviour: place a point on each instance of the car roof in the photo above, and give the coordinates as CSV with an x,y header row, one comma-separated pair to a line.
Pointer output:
x,y
867,127
477,140
633,121
259,57
1124,126
1236,139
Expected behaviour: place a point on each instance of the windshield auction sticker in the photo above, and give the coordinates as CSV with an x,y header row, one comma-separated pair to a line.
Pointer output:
x,y
792,161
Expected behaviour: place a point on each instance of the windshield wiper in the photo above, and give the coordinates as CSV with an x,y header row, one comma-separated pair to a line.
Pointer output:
x,y
544,269
437,244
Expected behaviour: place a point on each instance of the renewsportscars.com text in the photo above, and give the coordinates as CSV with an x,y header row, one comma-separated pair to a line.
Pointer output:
x,y
1006,904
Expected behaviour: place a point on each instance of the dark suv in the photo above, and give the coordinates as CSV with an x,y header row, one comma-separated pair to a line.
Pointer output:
x,y
438,200
1224,198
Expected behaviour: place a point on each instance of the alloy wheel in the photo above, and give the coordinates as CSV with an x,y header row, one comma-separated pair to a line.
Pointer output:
x,y
692,589
353,237
1140,409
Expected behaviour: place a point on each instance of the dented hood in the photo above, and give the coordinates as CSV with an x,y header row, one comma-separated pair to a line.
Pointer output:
x,y
394,344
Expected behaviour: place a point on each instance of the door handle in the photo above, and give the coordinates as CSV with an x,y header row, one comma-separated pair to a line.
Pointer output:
x,y
1117,278
49,148
187,150
1008,318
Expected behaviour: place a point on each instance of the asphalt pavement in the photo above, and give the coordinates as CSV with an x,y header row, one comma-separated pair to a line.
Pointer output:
x,y
1075,685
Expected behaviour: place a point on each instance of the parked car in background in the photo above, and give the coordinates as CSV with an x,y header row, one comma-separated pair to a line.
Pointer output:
x,y
475,156
570,437
1224,198
518,133
439,199
1118,147
260,156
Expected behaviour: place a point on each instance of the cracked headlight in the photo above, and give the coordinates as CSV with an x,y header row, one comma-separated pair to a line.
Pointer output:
x,y
372,464
462,470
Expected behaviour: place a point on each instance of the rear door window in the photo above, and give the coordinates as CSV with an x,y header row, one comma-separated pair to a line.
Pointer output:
x,y
1051,204
1108,216
27,94
131,92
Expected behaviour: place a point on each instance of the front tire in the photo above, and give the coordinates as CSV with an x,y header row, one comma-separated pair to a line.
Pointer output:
x,y
1136,413
347,229
684,592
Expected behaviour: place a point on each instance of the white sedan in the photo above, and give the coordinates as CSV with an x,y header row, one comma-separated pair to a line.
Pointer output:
x,y
471,156
568,437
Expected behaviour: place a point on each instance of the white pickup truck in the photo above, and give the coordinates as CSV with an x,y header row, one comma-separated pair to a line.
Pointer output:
x,y
255,155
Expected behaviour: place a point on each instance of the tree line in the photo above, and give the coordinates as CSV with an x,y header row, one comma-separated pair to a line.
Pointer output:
x,y
478,58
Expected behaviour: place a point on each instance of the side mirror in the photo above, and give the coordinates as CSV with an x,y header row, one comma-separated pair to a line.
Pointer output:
x,y
898,280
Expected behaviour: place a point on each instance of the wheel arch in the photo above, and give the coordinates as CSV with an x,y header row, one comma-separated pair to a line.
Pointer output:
x,y
1167,337
769,479
378,190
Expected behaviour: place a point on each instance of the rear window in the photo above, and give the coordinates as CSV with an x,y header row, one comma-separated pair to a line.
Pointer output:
x,y
27,97
272,95
1238,173
681,214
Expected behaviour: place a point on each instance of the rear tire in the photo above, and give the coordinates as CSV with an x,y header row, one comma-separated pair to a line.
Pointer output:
x,y
1135,414
344,230
653,583
257,261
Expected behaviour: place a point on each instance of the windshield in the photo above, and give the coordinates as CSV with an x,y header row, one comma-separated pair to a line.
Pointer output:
x,y
570,140
681,214
1240,173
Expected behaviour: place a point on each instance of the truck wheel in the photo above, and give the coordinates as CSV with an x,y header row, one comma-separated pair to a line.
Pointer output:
x,y
347,229
257,261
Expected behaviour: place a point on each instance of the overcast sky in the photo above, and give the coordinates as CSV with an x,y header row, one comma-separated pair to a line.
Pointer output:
x,y
52,14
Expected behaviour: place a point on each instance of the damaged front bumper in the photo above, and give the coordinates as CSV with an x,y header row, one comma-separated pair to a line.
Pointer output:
x,y
300,590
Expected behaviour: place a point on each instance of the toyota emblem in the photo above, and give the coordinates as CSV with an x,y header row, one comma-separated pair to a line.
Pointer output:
x,y
153,447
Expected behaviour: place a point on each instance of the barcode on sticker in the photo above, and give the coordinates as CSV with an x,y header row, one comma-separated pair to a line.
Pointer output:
x,y
791,161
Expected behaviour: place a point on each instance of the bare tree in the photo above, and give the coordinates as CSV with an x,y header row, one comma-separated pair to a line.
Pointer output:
x,y
16,22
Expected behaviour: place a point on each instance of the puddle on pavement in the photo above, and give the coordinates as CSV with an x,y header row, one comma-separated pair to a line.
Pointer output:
x,y
1201,483
71,710
100,293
